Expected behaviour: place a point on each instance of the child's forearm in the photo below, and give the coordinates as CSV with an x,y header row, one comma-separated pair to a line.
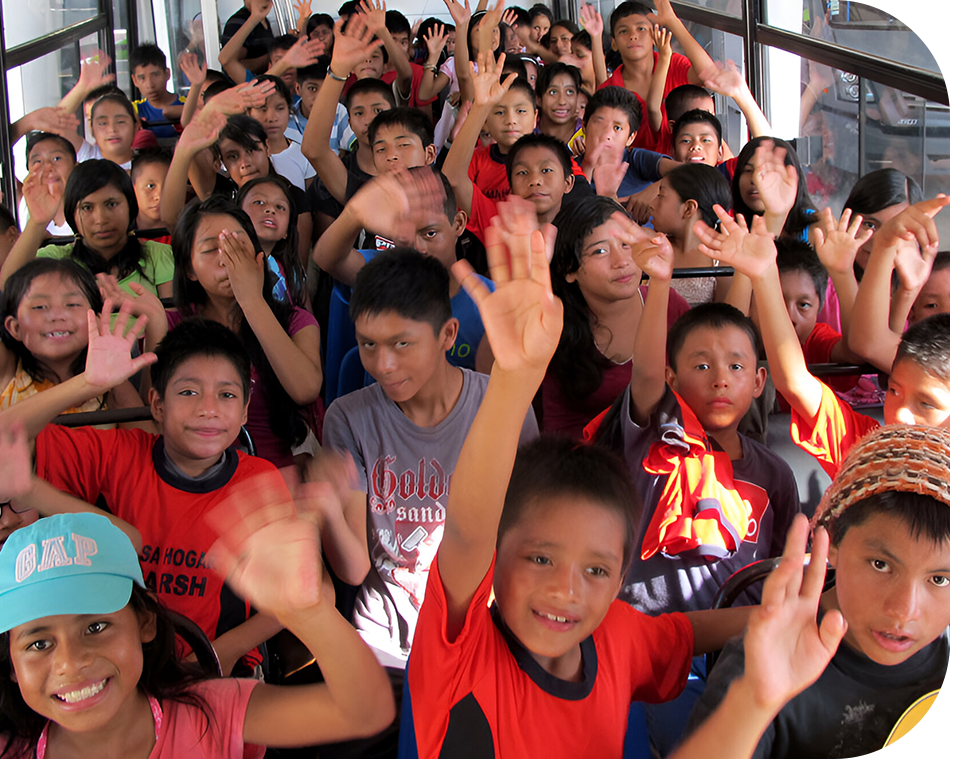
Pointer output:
x,y
456,166
39,410
699,58
189,107
757,123
24,250
846,290
334,252
657,86
739,293
432,85
48,501
648,381
399,60
343,539
870,334
598,61
174,187
461,62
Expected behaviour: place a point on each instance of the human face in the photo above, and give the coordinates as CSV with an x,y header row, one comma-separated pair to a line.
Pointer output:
x,y
273,116
436,236
403,354
243,164
749,189
151,80
103,219
539,27
52,154
512,45
560,41
697,143
52,321
325,34
364,108
557,572
13,516
208,263
402,41
802,302
538,177
113,129
308,92
893,589
371,67
148,189
873,221
609,126
606,272
451,43
513,117
532,71
580,51
269,209
559,103
633,37
934,297
581,103
668,210
716,374
915,396
395,148
82,671
201,413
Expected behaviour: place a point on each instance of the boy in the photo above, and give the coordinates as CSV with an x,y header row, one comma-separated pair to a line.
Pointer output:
x,y
551,669
822,424
200,389
157,105
405,435
934,297
309,81
149,169
250,22
510,118
890,547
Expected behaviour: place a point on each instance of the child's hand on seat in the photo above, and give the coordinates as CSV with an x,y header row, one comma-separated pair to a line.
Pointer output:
x,y
837,244
651,251
522,318
785,648
109,361
753,253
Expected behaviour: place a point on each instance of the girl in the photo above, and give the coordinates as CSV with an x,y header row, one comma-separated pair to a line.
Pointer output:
x,y
109,685
49,155
558,88
44,339
101,209
285,153
593,273
784,201
221,275
268,204
687,194
113,126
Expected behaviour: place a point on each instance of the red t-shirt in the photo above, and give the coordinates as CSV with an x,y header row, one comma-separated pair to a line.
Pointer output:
x,y
390,76
482,211
484,683
677,75
488,171
835,429
124,466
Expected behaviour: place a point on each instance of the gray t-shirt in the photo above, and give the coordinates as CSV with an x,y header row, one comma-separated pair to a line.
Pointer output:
x,y
405,470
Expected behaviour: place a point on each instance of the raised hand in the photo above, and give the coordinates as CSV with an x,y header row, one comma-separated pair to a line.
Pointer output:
x,y
244,265
52,119
651,251
509,17
661,39
488,88
723,78
785,648
305,52
459,12
94,72
522,317
192,67
259,9
374,12
251,94
753,253
591,20
109,361
353,45
838,243
665,12
913,224
303,9
204,130
776,181
43,192
609,170
435,39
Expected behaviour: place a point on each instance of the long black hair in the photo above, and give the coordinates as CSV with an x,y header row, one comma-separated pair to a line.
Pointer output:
x,y
881,189
801,214
17,287
578,365
704,184
163,677
88,177
285,418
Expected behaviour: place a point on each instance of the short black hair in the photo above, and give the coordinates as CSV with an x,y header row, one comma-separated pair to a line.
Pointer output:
x,y
584,38
369,86
616,97
926,516
100,91
397,24
244,130
927,344
555,466
349,8
629,8
281,43
678,100
119,98
940,262
796,256
413,120
319,20
219,85
404,282
696,116
198,337
565,24
316,71
516,65
148,157
547,75
524,86
37,137
713,315
539,141
538,9
147,54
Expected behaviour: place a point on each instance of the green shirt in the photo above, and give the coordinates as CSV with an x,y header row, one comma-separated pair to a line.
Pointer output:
x,y
157,265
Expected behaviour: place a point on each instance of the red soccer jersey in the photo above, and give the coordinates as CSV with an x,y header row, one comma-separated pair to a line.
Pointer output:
x,y
124,466
677,75
488,171
484,695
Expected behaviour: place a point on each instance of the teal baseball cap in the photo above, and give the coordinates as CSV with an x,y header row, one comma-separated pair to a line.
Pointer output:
x,y
70,563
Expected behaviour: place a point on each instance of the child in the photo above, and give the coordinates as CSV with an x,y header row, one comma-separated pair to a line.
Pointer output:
x,y
149,169
657,84
101,208
249,25
888,518
558,95
109,685
405,435
285,153
309,84
113,125
158,106
50,156
823,425
551,669
934,297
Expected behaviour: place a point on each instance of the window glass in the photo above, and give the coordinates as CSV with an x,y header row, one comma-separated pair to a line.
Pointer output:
x,y
23,22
